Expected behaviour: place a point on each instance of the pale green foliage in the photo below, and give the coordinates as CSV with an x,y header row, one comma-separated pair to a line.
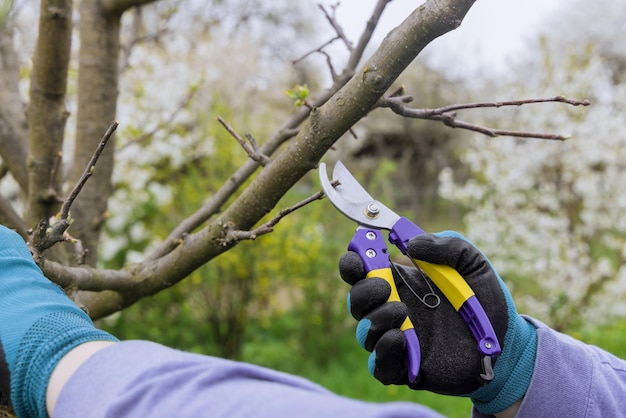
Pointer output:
x,y
5,8
298,94
551,215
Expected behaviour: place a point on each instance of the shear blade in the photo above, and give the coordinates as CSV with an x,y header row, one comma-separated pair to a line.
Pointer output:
x,y
351,199
349,188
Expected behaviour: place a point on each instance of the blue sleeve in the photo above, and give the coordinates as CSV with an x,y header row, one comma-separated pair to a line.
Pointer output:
x,y
572,379
144,379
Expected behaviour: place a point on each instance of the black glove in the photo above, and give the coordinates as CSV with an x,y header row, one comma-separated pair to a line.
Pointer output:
x,y
450,361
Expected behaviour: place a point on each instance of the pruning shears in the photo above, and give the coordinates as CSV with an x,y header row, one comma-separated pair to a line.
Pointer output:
x,y
351,199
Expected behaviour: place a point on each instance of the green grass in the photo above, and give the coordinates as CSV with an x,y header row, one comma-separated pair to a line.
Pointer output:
x,y
350,377
346,374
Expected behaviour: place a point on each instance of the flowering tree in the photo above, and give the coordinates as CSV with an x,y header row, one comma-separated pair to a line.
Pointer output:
x,y
551,216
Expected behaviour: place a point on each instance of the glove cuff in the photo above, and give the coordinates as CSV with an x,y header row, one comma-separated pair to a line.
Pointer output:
x,y
513,370
40,350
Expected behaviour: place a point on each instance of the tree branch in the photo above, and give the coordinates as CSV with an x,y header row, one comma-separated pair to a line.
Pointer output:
x,y
10,218
447,114
13,134
89,170
47,235
266,228
254,153
336,26
288,130
366,36
47,114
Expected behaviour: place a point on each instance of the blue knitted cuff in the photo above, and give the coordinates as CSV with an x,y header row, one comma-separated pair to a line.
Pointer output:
x,y
41,348
514,367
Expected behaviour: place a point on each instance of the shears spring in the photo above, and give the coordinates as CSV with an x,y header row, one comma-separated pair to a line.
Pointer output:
x,y
436,300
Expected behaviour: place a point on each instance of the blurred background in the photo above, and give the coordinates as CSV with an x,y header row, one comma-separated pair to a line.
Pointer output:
x,y
549,214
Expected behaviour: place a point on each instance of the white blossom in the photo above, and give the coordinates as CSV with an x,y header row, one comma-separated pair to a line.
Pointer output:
x,y
554,213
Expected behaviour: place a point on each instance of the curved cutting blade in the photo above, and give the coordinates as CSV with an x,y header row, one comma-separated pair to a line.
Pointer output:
x,y
351,199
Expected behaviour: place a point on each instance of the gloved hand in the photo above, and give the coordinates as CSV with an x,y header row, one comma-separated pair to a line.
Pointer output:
x,y
450,363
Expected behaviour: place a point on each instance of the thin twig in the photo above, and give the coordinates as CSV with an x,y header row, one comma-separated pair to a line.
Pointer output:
x,y
337,27
447,115
266,228
356,53
557,99
89,170
319,49
253,150
451,121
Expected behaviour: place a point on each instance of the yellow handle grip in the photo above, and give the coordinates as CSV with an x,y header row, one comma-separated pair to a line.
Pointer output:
x,y
387,275
449,281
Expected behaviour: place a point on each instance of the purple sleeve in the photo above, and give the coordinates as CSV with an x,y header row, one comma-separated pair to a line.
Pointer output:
x,y
144,379
572,379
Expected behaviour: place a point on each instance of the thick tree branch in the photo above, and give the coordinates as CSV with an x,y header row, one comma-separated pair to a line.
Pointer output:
x,y
12,148
97,106
325,125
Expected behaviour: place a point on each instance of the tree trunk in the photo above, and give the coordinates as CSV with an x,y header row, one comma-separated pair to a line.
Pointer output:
x,y
97,101
46,112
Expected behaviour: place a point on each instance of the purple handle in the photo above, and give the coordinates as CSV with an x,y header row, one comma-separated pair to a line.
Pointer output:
x,y
476,319
372,249
402,231
413,353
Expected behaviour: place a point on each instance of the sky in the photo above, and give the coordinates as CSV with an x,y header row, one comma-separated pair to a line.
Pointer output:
x,y
492,32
